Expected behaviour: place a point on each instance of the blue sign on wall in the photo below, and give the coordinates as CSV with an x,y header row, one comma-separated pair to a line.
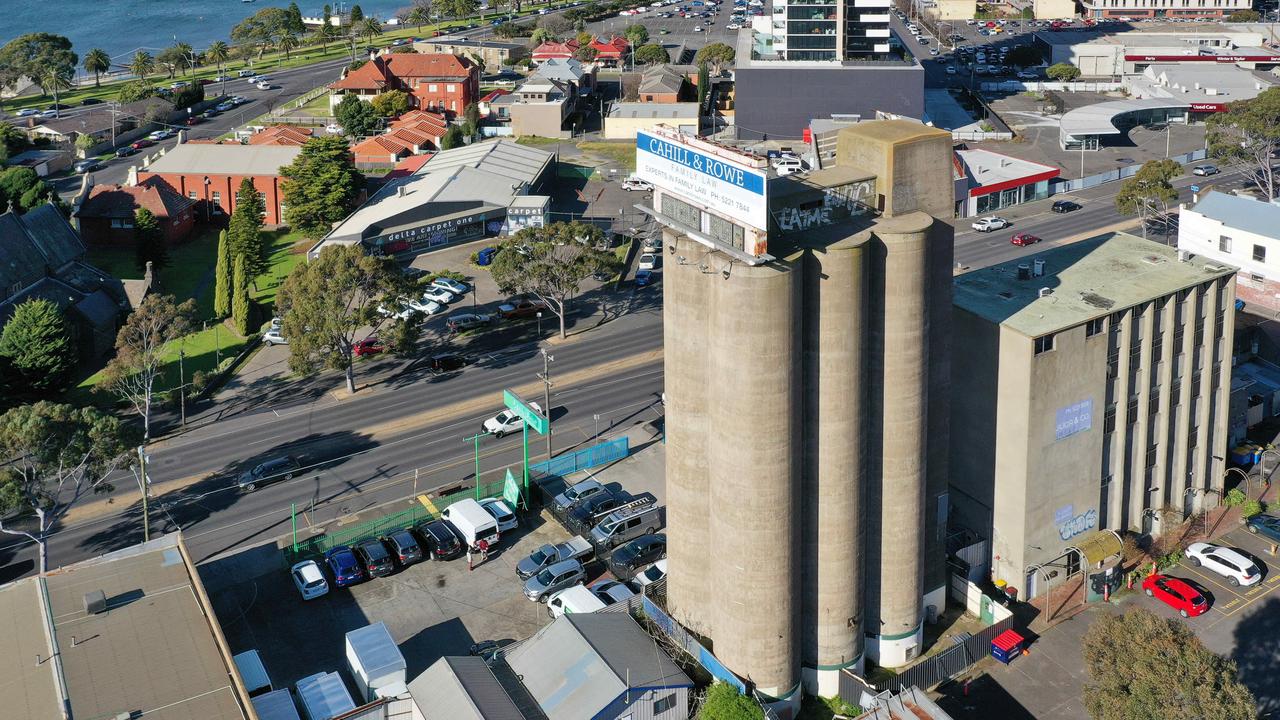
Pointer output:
x,y
1081,523
1073,419
1063,514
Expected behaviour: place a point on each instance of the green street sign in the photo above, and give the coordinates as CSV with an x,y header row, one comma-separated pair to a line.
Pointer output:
x,y
534,419
511,490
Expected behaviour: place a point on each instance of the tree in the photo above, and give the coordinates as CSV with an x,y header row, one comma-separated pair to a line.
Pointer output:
x,y
21,187
1062,72
149,241
1149,192
1247,137
585,54
142,64
704,85
1244,16
539,36
43,57
472,113
296,25
97,61
320,186
419,15
135,90
85,142
357,15
57,455
325,302
217,54
326,34
287,43
651,54
141,347
1025,56
369,28
12,142
357,118
56,78
584,38
38,347
1143,666
262,29
240,308
717,55
724,702
244,229
391,103
222,278
453,137
555,259
636,34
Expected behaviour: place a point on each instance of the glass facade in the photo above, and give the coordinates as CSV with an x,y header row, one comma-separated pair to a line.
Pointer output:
x,y
1013,196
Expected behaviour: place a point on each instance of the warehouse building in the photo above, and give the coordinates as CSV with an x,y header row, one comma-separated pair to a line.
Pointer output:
x,y
796,371
1095,381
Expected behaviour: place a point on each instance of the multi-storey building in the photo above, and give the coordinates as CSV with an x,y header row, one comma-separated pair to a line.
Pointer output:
x,y
830,29
440,81
1240,231
1090,394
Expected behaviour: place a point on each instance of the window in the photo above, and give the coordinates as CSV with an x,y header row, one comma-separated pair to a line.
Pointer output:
x,y
217,197
1259,253
1224,244
1109,420
662,705
1257,279
121,223
433,88
451,88
1093,327
191,194
1044,344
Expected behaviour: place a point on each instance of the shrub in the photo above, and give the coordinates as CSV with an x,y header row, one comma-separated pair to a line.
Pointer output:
x,y
1250,508
1235,497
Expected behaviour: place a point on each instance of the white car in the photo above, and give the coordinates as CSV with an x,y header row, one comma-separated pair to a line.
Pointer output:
x,y
733,26
649,575
1205,170
453,286
951,70
425,306
612,591
648,262
28,112
635,183
506,422
502,513
439,295
309,580
333,129
223,78
697,28
263,86
1234,565
273,337
1027,75
989,224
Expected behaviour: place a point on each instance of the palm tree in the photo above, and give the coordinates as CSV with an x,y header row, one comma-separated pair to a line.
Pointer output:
x,y
370,28
418,17
217,54
288,41
326,33
142,64
97,61
55,78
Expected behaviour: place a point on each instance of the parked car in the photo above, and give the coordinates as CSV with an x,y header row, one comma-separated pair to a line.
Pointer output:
x,y
143,143
650,575
649,261
635,183
1024,239
344,566
374,558
550,579
502,513
585,513
514,309
1235,566
125,151
468,321
506,422
87,166
439,540
1177,594
1027,75
276,469
573,493
1065,206
627,560
1205,170
273,337
425,306
453,286
27,112
1267,526
644,277
576,548
988,224
309,580
438,295
368,346
612,591
404,547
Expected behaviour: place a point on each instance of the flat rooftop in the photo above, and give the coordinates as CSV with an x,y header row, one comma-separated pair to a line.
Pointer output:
x,y
1089,279
154,652
985,167
1137,38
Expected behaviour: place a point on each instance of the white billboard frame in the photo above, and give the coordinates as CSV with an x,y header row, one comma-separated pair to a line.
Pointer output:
x,y
706,176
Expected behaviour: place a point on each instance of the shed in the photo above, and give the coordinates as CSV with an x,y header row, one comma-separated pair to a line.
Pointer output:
x,y
324,696
376,662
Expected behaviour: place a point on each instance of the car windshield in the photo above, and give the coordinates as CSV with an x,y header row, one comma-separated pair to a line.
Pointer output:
x,y
545,577
542,554
652,574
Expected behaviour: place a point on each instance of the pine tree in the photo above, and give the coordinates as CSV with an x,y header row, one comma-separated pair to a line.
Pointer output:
x,y
240,297
222,278
244,231
150,244
37,347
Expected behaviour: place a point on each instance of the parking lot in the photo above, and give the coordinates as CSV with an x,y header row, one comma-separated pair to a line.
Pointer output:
x,y
679,30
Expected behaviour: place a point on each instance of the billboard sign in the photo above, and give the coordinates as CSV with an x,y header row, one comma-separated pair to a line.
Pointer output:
x,y
1203,58
536,420
705,175
1073,419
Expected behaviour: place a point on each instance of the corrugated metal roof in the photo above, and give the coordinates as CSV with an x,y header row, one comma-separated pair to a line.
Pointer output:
x,y
190,159
1099,118
1243,213
500,157
655,111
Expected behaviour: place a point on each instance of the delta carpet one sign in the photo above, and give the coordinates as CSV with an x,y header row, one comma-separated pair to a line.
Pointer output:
x,y
704,174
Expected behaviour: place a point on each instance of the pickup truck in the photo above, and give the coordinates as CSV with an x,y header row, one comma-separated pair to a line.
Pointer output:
x,y
576,548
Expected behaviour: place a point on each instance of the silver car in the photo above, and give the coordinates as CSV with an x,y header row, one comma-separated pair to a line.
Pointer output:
x,y
557,577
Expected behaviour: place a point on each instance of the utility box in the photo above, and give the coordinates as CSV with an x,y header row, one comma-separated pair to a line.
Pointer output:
x,y
376,663
323,696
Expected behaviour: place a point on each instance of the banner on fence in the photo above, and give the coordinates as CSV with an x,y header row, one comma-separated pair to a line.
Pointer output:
x,y
680,637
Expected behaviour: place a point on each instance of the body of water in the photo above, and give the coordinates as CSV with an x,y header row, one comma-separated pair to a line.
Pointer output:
x,y
122,26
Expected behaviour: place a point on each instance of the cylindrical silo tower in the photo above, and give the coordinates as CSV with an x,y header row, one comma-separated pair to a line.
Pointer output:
x,y
831,492
684,317
898,384
753,381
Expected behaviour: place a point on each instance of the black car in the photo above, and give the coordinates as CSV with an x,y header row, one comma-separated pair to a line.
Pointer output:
x,y
374,557
1065,206
273,470
628,559
446,362
440,541
91,101
582,516
404,547
125,151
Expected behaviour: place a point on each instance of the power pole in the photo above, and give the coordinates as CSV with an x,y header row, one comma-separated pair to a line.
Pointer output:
x,y
545,377
145,486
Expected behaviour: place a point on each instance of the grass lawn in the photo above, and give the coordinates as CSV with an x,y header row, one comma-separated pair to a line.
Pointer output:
x,y
537,141
284,251
623,153
189,263
317,107
200,351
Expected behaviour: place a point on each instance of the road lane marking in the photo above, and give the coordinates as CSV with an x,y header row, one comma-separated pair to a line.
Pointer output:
x,y
430,506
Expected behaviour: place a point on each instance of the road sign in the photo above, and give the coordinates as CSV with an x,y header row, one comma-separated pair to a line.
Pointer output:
x,y
534,419
1195,188
511,490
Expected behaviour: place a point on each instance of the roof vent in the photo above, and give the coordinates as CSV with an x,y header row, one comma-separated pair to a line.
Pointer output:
x,y
1045,292
1184,256
95,602
1024,271
1152,259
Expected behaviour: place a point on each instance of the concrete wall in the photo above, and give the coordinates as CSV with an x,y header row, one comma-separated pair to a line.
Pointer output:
x,y
541,119
780,101
1054,9
951,10
620,128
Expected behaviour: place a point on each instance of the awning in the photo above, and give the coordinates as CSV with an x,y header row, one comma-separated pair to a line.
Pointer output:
x,y
1099,545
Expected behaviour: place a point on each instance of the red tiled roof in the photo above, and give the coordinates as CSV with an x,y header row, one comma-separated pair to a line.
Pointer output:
x,y
614,47
281,135
550,49
495,95
378,144
121,201
417,118
414,137
384,70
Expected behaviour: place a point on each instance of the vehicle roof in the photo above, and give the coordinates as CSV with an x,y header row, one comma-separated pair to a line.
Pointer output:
x,y
1178,583
1228,553
564,566
309,570
580,597
469,511
333,552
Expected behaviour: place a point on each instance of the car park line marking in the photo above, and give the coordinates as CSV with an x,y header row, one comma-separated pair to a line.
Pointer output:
x,y
430,506
1210,579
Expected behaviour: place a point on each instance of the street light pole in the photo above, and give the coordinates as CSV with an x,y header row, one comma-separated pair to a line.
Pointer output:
x,y
545,377
144,485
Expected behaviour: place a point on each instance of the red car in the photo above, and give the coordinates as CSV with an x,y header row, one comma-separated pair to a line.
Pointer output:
x,y
1177,594
142,144
1024,239
368,346
195,120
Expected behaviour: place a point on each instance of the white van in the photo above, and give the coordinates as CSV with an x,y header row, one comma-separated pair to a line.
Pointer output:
x,y
473,521
573,600
787,164
253,673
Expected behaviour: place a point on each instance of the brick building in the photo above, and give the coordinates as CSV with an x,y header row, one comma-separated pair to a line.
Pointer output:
x,y
438,81
212,173
611,52
106,215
